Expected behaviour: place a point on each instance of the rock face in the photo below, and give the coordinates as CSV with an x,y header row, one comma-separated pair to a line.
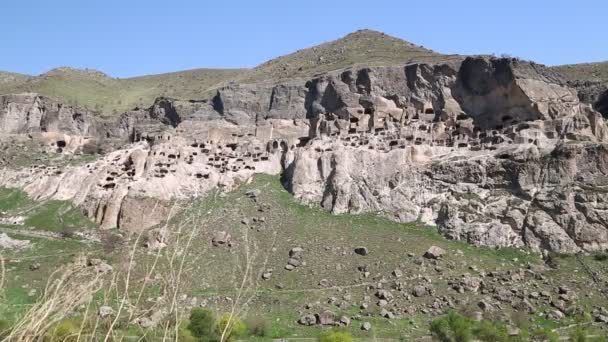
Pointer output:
x,y
497,152
494,152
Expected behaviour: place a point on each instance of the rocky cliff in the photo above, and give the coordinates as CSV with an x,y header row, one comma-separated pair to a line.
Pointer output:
x,y
497,152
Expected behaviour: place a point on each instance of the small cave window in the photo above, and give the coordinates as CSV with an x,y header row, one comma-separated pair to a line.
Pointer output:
x,y
429,111
61,143
368,111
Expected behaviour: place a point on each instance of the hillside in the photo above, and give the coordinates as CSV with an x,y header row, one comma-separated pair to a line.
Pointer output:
x,y
99,91
10,78
394,288
364,47
586,71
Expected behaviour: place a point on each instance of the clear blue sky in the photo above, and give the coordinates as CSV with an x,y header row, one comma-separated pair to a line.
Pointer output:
x,y
135,37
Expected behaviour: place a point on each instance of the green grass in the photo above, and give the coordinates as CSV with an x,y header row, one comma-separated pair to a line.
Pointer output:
x,y
212,274
11,199
100,92
50,254
50,215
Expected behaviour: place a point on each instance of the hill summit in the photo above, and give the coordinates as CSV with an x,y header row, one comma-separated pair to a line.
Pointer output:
x,y
363,47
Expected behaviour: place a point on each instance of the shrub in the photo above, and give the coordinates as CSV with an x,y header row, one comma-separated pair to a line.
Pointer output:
x,y
336,336
489,331
202,325
545,334
184,334
601,257
452,328
236,327
258,326
578,335
64,331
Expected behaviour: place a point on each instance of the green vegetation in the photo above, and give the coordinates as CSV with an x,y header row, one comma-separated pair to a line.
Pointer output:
x,y
213,274
54,216
202,325
64,331
336,336
452,328
231,327
97,91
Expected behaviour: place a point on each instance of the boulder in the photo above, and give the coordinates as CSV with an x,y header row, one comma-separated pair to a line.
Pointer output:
x,y
434,252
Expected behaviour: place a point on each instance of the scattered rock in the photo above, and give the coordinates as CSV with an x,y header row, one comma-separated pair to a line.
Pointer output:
x,y
366,326
6,242
105,311
434,252
326,318
419,291
361,251
308,320
221,238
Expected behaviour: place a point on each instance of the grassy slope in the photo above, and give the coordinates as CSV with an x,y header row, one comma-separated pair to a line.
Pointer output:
x,y
586,71
211,275
50,254
101,92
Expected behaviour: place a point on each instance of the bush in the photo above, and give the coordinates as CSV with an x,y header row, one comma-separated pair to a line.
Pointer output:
x,y
545,335
336,336
64,331
488,331
601,257
578,335
185,335
452,328
235,330
258,326
202,325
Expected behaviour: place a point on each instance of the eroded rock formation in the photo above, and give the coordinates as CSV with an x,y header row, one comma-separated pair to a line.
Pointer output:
x,y
496,152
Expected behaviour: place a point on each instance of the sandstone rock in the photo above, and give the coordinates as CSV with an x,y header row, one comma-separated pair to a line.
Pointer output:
x,y
366,326
221,238
419,291
434,252
326,318
308,320
6,242
105,311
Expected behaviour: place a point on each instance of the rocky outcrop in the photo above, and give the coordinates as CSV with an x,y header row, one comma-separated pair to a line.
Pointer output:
x,y
497,152
494,152
594,93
